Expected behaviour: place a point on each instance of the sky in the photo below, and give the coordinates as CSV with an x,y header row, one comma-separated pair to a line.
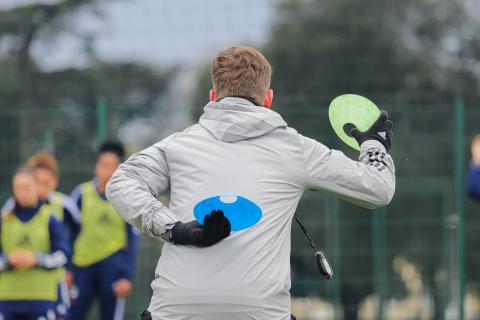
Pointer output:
x,y
162,32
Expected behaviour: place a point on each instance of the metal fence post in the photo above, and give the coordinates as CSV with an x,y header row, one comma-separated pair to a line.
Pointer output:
x,y
459,199
378,258
333,238
49,141
101,119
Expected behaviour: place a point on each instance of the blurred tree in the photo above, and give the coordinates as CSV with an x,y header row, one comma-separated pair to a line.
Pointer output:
x,y
387,50
203,86
56,109
64,101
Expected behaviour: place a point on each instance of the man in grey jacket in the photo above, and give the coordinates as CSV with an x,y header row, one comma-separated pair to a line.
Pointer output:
x,y
235,180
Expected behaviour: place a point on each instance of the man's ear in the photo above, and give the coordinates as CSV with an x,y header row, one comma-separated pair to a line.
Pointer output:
x,y
268,99
212,96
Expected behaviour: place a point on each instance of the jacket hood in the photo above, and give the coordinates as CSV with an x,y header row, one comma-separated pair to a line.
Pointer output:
x,y
235,119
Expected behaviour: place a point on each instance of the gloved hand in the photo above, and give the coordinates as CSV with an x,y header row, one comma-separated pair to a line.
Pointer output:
x,y
381,131
215,228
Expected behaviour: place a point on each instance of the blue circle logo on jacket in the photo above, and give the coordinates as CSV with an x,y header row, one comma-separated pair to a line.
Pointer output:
x,y
241,212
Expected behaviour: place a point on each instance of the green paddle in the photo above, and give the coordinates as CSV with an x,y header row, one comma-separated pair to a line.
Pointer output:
x,y
350,110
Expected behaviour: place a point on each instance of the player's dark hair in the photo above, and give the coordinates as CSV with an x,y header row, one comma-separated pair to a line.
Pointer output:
x,y
112,147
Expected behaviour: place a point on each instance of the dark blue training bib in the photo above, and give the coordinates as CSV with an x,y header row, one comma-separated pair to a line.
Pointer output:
x,y
241,212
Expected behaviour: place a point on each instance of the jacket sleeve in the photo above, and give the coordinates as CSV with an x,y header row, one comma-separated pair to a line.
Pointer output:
x,y
369,182
4,264
473,181
59,250
71,220
135,186
8,206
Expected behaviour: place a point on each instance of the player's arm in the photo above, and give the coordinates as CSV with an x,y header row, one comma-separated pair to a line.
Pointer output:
x,y
71,220
135,187
76,199
8,206
473,181
369,182
71,211
60,248
473,178
4,265
123,286
130,253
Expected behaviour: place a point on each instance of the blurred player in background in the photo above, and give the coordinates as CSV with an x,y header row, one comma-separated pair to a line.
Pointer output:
x,y
45,167
105,248
473,178
32,245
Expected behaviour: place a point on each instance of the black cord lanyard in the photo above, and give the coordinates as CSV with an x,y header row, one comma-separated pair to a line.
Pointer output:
x,y
322,262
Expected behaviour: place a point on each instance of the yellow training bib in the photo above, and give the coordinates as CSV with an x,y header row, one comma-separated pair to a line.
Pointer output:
x,y
103,231
34,236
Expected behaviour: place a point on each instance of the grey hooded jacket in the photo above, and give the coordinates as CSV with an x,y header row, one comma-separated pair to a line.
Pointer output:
x,y
250,151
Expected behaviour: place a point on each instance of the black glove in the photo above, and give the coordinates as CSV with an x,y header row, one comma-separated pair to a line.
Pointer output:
x,y
381,131
146,315
215,228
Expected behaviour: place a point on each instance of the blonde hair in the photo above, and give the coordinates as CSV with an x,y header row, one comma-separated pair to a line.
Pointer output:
x,y
241,71
44,160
